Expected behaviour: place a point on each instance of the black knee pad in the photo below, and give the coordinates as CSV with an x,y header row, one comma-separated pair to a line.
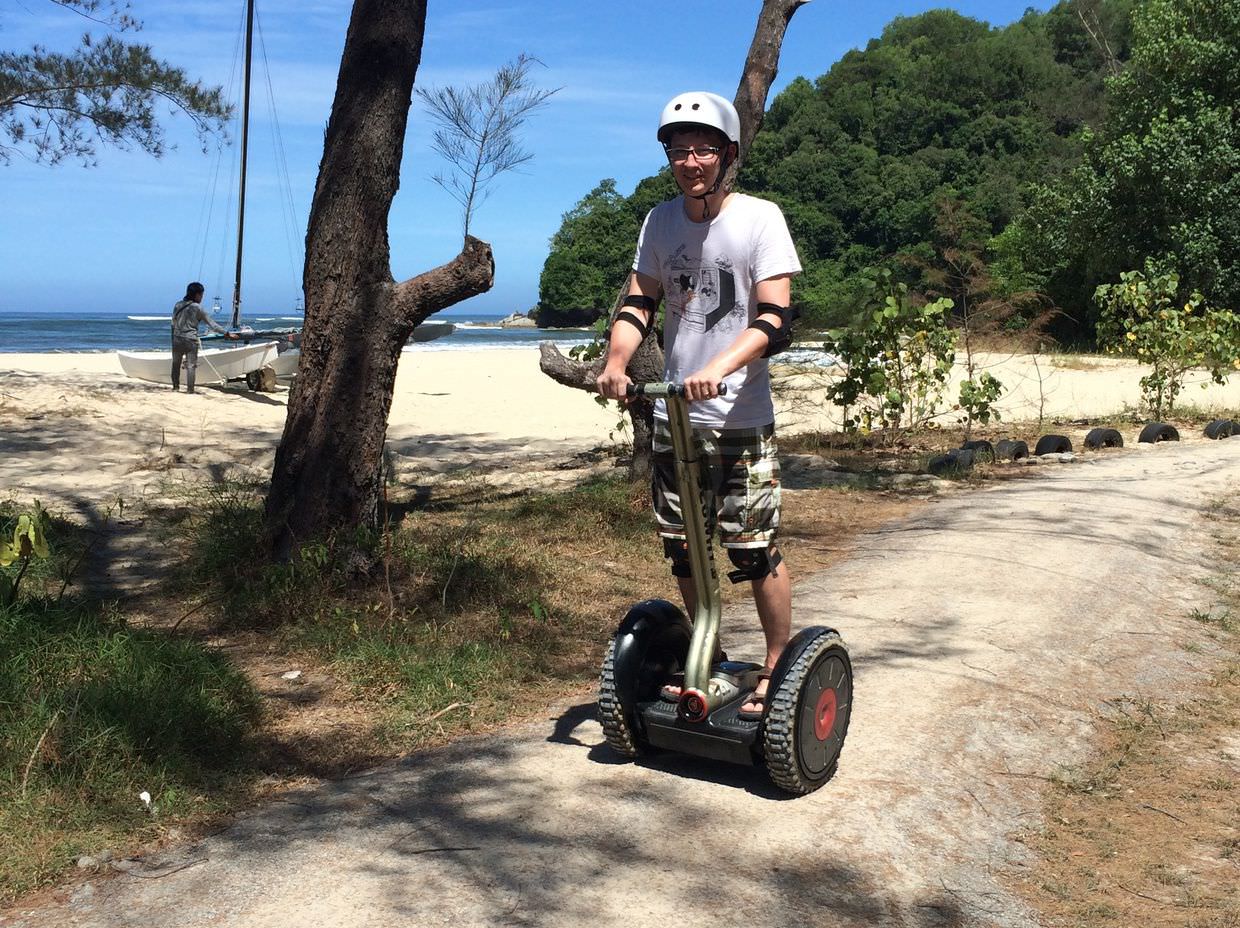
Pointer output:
x,y
677,551
754,563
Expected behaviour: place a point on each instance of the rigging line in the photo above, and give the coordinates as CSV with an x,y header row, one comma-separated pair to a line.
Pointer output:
x,y
200,234
199,254
228,240
208,208
238,39
233,187
281,159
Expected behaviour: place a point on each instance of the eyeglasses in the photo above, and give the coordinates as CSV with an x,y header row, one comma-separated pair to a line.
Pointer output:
x,y
703,154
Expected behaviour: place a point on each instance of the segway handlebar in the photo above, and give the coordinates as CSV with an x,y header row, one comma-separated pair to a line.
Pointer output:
x,y
663,389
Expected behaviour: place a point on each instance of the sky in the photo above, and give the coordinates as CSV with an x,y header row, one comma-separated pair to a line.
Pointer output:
x,y
126,235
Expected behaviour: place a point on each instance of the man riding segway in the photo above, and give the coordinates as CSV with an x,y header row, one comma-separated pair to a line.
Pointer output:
x,y
721,263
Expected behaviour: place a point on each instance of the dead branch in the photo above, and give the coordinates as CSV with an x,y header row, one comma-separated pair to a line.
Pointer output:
x,y
471,272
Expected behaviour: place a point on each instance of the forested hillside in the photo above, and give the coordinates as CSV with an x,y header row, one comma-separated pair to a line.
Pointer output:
x,y
940,115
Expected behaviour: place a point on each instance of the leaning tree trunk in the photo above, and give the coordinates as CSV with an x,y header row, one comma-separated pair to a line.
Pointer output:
x,y
761,66
327,475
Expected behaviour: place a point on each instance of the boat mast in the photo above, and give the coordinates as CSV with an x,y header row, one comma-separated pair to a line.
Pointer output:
x,y
245,147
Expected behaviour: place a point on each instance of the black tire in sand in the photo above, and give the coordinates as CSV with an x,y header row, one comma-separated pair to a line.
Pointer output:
x,y
1053,444
1156,432
982,449
1011,449
1222,428
953,462
1104,438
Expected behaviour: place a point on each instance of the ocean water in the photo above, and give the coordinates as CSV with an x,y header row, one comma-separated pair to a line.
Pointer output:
x,y
86,331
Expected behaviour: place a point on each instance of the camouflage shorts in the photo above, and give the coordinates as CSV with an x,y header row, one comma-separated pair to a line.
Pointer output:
x,y
741,469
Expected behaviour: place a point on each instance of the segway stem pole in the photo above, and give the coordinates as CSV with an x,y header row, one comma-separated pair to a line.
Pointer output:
x,y
697,700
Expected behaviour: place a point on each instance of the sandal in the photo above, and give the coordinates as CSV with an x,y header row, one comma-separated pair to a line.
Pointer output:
x,y
673,688
755,698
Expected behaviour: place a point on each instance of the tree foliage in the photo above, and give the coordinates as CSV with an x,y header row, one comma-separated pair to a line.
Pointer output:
x,y
1161,177
592,250
61,105
478,129
940,106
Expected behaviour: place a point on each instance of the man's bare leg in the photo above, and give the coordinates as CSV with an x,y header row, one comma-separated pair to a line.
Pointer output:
x,y
773,597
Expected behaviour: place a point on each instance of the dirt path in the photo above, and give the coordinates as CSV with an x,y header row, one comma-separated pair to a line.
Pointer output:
x,y
987,634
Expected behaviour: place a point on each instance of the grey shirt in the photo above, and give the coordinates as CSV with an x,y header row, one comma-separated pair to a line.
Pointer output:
x,y
187,316
709,272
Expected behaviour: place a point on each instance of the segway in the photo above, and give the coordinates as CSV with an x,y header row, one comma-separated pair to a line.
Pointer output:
x,y
809,698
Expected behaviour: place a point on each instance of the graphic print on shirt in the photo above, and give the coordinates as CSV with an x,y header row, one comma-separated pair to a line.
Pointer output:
x,y
701,296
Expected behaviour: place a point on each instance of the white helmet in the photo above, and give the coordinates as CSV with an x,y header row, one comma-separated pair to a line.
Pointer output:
x,y
699,108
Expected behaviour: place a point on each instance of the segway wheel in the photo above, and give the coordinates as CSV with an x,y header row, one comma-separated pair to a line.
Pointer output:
x,y
808,716
617,731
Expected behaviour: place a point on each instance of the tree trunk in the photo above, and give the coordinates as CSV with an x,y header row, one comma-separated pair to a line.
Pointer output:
x,y
761,66
327,475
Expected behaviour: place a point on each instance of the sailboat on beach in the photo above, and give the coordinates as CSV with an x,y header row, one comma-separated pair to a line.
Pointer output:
x,y
265,354
258,359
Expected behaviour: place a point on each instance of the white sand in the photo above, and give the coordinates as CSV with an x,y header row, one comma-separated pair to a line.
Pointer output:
x,y
74,429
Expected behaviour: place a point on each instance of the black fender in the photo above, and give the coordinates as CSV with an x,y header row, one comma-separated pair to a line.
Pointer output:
x,y
651,644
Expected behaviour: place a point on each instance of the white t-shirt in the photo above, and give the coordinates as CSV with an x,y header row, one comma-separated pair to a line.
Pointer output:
x,y
708,271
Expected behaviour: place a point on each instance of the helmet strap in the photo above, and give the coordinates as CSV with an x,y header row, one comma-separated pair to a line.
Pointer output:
x,y
723,170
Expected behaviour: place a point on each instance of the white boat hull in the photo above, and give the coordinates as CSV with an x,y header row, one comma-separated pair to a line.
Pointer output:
x,y
215,365
286,363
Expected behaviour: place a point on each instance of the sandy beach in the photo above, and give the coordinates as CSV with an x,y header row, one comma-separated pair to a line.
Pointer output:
x,y
75,431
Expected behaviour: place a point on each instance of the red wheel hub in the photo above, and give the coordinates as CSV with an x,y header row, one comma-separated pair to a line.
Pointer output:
x,y
824,715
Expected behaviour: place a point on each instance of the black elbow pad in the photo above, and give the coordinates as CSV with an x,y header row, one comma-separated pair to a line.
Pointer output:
x,y
777,339
634,320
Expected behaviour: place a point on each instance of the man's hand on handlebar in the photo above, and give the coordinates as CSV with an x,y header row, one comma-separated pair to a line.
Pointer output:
x,y
613,384
704,385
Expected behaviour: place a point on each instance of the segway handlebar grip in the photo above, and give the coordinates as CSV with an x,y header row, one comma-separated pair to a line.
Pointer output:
x,y
663,389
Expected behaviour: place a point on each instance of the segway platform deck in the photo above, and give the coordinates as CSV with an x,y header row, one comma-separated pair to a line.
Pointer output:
x,y
722,736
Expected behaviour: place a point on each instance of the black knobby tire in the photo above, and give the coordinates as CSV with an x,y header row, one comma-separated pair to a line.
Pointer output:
x,y
798,759
1053,444
617,731
1104,438
950,463
982,449
1011,449
1222,428
1158,431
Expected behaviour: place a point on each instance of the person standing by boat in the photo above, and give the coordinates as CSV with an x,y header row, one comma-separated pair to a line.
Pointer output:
x,y
187,315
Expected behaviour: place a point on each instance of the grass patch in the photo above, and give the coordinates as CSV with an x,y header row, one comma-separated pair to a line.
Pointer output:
x,y
92,713
473,607
478,606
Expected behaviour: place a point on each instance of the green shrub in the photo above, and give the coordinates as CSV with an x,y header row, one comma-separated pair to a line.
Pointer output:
x,y
1142,316
897,358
